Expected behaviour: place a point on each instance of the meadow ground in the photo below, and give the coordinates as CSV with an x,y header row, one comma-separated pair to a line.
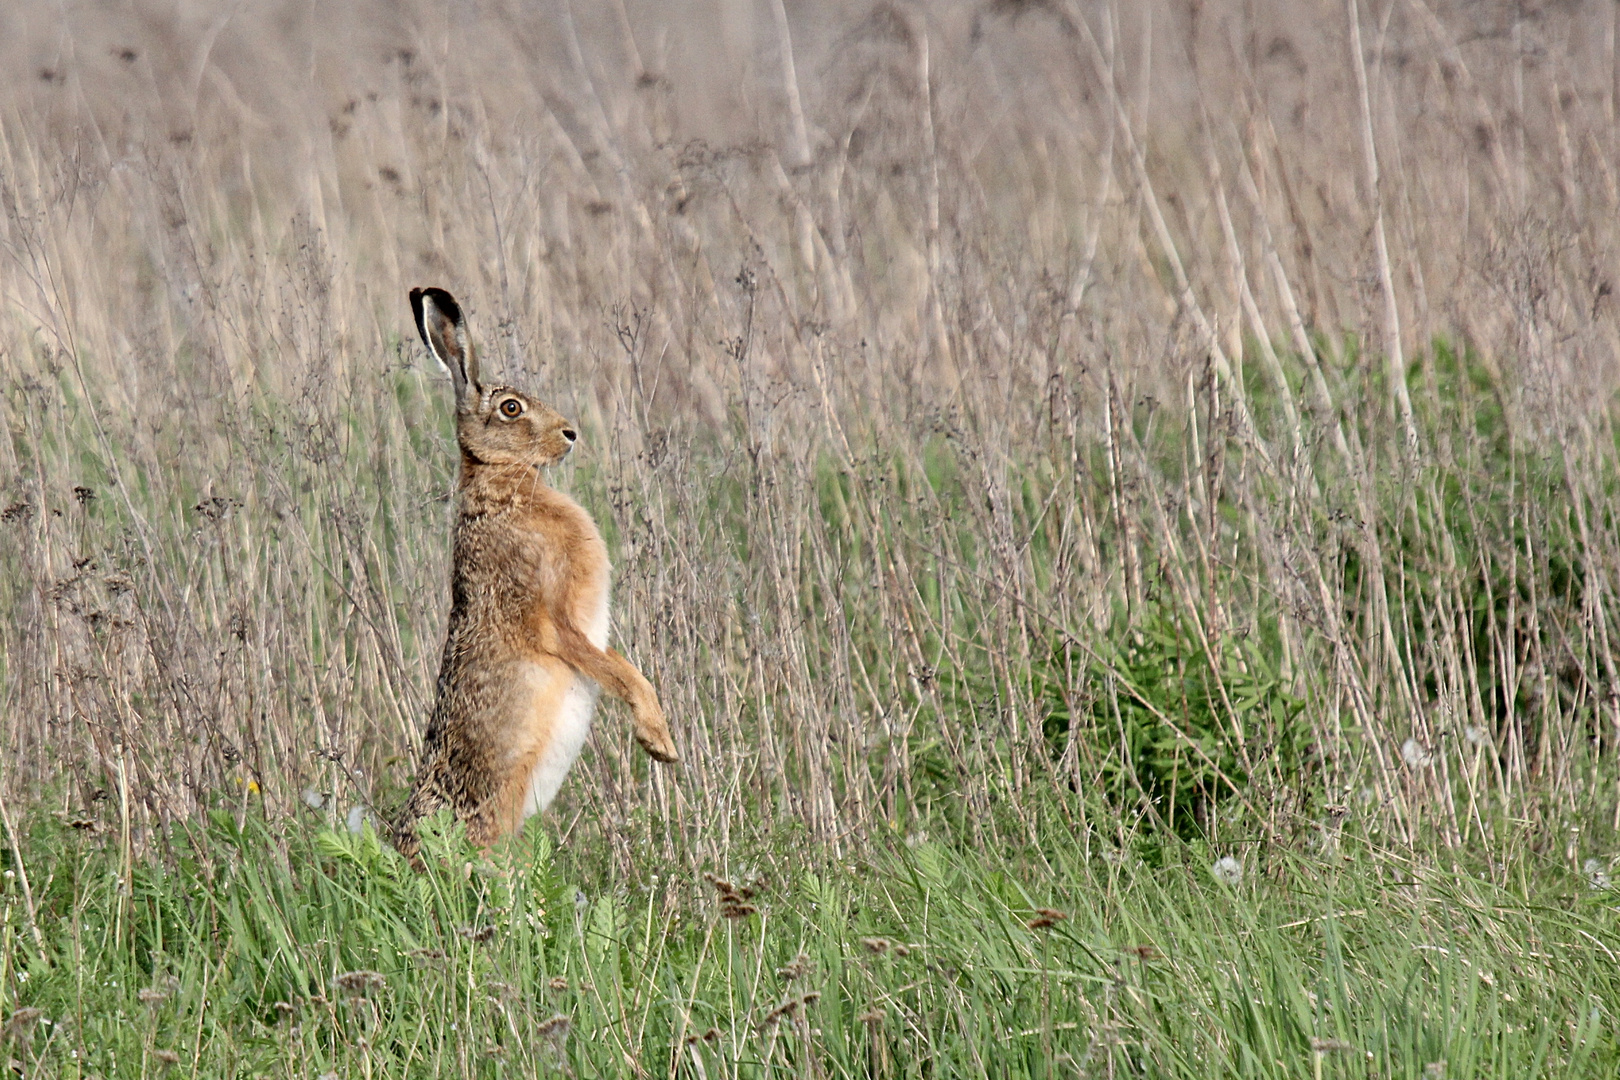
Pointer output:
x,y
1117,502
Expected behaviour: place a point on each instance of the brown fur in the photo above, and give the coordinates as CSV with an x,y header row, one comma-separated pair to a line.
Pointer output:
x,y
529,572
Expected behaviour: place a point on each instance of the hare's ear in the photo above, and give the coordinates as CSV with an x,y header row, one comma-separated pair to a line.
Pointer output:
x,y
438,320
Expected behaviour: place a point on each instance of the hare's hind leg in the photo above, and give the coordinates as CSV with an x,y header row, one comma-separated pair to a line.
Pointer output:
x,y
424,800
560,742
545,718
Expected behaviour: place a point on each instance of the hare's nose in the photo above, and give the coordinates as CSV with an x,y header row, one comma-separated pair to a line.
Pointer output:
x,y
570,434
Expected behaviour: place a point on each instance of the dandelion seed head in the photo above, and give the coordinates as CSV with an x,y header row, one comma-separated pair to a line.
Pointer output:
x,y
1228,871
1415,754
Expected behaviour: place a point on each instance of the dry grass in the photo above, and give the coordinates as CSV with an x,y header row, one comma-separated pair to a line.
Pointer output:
x,y
998,329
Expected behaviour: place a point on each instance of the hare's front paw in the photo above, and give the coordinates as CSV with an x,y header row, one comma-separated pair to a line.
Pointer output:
x,y
653,733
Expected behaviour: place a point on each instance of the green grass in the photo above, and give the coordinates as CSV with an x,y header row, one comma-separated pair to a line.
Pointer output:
x,y
289,949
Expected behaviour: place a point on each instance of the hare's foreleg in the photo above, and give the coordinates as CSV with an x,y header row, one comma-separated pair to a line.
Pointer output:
x,y
619,677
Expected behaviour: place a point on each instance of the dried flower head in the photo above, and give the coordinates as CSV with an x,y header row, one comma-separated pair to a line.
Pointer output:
x,y
1143,952
555,1029
478,935
1046,918
795,968
359,982
152,997
558,983
1228,871
168,1057
1331,1046
875,945
734,899
789,1009
22,1022
428,957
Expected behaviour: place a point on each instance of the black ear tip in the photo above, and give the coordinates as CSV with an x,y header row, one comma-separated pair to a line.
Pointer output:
x,y
443,301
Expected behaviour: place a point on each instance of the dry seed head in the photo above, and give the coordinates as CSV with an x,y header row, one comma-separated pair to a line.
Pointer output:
x,y
1045,918
359,982
478,935
152,997
795,968
555,1029
875,945
168,1057
427,957
22,1021
558,983
1331,1046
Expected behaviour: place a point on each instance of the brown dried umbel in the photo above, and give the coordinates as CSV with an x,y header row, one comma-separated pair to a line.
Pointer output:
x,y
734,899
789,1009
554,1030
355,983
795,968
1046,918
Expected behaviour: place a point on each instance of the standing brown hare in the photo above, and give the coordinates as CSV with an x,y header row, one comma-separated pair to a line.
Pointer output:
x,y
526,652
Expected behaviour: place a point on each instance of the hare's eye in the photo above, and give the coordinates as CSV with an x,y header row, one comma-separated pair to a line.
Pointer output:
x,y
511,408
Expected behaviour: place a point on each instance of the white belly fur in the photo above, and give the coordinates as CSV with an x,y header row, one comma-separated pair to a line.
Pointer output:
x,y
572,727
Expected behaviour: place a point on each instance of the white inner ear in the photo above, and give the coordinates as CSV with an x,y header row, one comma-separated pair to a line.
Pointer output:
x,y
444,367
431,318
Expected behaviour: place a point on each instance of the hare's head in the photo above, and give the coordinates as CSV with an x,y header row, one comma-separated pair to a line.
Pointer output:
x,y
495,425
